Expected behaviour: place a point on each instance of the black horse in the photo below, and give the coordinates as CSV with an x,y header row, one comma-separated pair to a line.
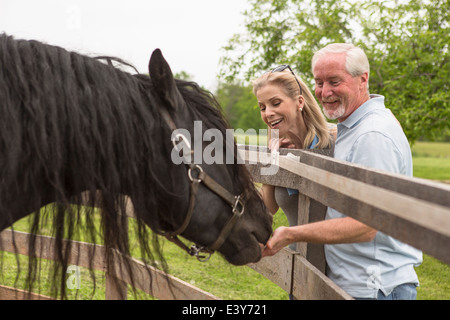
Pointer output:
x,y
72,124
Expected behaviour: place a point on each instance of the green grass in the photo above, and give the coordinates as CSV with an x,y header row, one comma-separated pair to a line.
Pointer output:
x,y
431,150
431,161
434,277
432,168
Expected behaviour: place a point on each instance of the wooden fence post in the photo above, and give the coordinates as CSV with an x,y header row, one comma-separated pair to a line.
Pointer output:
x,y
309,211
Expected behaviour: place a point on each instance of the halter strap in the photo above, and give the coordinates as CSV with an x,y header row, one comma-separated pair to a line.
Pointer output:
x,y
237,204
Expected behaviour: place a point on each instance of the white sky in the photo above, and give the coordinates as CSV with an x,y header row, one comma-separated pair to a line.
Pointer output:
x,y
190,33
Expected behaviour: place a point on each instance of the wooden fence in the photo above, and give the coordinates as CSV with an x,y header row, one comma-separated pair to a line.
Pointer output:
x,y
412,210
146,278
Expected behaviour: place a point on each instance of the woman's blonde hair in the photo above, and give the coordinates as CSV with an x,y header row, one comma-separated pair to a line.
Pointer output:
x,y
313,117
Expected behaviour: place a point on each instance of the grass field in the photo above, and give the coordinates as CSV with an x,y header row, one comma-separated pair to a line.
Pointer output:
x,y
431,161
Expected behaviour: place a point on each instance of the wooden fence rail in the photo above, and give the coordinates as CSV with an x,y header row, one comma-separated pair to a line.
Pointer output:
x,y
412,210
17,242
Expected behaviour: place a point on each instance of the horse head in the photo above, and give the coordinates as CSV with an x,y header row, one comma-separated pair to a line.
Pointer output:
x,y
72,126
217,206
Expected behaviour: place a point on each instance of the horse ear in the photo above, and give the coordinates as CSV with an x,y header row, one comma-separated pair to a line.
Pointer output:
x,y
162,79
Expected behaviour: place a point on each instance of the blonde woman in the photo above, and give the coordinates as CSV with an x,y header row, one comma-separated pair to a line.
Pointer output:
x,y
287,105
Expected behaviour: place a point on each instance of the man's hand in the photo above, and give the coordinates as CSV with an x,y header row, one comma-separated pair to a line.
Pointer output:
x,y
279,240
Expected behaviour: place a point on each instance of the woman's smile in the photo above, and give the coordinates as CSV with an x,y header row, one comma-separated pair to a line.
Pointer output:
x,y
276,123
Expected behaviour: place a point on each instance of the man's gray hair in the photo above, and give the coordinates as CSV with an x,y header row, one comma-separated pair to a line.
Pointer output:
x,y
356,62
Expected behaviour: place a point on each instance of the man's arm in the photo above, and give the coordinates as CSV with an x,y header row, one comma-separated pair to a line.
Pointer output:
x,y
341,230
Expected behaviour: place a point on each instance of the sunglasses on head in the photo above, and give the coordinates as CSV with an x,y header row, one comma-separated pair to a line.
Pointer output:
x,y
283,67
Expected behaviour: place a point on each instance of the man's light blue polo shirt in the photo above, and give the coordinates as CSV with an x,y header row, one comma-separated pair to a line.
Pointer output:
x,y
371,136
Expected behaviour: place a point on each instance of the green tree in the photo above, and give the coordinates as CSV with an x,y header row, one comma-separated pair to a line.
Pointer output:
x,y
406,42
410,63
183,75
240,106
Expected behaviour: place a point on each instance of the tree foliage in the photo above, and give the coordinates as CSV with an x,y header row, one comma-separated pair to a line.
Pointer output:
x,y
240,106
407,43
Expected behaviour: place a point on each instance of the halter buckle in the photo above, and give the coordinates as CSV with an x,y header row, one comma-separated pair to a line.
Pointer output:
x,y
195,251
196,167
238,201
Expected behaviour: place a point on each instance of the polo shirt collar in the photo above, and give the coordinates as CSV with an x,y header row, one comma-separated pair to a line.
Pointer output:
x,y
375,102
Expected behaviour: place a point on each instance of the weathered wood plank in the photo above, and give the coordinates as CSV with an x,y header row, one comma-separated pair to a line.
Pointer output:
x,y
429,215
302,218
82,254
311,284
8,293
155,282
416,188
310,210
295,274
277,269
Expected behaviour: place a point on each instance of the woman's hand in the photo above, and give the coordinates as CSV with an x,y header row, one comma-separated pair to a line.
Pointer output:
x,y
276,144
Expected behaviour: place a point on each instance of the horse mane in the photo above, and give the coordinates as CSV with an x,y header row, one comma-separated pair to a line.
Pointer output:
x,y
64,114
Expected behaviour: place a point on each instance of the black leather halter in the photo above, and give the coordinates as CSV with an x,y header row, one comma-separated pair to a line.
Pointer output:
x,y
237,203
